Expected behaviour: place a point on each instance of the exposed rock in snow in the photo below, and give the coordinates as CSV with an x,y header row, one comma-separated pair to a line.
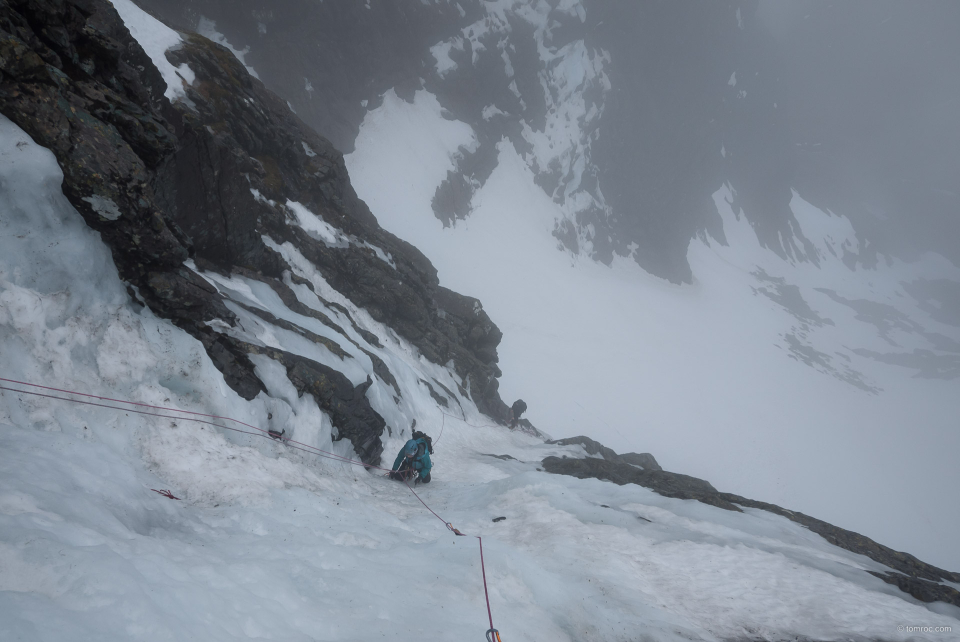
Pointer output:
x,y
921,580
666,483
200,178
593,447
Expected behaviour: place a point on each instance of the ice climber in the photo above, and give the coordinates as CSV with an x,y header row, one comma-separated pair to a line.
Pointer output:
x,y
413,461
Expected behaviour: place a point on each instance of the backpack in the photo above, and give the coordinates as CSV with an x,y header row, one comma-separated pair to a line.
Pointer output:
x,y
422,435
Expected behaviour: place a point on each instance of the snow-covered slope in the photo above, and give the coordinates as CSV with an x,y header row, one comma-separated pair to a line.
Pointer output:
x,y
827,386
268,542
261,538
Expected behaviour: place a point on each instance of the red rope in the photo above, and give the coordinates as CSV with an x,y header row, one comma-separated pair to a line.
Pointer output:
x,y
421,501
168,409
259,433
484,571
262,433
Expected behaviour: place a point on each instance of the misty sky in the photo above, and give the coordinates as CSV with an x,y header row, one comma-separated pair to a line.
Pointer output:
x,y
874,92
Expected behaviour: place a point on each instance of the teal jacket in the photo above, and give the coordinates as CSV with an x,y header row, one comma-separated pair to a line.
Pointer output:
x,y
421,464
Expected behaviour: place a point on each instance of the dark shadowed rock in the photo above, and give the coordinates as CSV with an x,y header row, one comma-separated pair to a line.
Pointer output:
x,y
923,590
207,178
591,446
666,483
644,460
233,362
349,409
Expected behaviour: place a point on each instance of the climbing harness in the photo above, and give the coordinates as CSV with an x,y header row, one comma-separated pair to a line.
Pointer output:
x,y
492,634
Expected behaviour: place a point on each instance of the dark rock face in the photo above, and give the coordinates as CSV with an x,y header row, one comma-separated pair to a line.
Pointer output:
x,y
71,80
592,447
644,460
919,579
923,590
346,404
666,483
207,178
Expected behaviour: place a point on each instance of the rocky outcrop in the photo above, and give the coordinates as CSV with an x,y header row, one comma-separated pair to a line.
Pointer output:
x,y
207,178
921,580
644,460
666,483
923,590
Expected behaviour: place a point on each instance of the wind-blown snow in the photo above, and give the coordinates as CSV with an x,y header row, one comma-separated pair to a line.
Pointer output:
x,y
731,379
156,38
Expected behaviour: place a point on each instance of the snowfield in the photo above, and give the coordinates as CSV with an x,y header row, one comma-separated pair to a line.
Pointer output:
x,y
270,543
